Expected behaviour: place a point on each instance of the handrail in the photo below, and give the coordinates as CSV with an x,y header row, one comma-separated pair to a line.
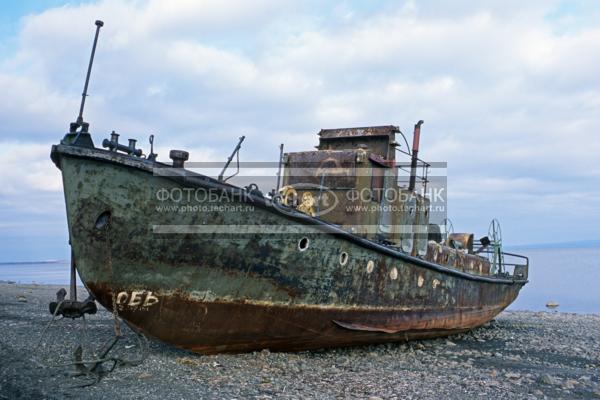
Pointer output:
x,y
418,159
504,253
423,177
516,255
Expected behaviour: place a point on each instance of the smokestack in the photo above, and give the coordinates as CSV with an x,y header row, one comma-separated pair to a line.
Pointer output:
x,y
415,154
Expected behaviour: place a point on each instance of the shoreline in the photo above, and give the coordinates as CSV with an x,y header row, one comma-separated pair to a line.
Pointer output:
x,y
521,354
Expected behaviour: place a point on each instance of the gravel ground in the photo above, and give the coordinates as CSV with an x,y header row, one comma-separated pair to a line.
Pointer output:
x,y
519,355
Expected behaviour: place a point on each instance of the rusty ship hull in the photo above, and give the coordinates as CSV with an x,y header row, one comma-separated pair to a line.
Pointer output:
x,y
173,277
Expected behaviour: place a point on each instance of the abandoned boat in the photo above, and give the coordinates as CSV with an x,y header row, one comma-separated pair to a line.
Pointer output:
x,y
314,263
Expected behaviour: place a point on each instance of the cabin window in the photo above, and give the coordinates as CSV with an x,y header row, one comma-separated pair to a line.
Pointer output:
x,y
303,244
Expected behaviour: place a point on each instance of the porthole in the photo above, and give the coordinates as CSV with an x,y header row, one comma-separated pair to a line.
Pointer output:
x,y
303,244
370,266
394,273
103,220
343,258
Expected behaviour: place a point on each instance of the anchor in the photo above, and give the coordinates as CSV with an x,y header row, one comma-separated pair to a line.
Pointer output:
x,y
72,308
91,368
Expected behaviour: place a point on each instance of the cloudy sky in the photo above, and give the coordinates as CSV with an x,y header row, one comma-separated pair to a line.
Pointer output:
x,y
509,91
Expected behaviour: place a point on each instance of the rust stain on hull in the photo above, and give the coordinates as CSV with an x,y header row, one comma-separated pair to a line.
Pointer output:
x,y
210,327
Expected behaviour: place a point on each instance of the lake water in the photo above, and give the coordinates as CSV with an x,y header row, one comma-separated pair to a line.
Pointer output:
x,y
48,272
567,276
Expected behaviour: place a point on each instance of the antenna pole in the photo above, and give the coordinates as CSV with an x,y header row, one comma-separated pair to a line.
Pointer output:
x,y
279,167
415,156
99,24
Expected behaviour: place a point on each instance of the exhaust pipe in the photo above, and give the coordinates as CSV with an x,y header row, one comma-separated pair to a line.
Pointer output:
x,y
415,154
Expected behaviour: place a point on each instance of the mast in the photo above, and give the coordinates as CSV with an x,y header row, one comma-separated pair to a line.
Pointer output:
x,y
79,122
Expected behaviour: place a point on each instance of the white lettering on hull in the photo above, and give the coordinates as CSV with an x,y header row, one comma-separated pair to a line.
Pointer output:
x,y
139,300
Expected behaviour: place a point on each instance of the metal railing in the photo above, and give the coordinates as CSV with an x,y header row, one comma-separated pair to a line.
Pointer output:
x,y
406,167
501,260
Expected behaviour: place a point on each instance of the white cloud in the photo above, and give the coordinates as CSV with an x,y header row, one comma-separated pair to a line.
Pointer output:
x,y
220,68
510,96
26,168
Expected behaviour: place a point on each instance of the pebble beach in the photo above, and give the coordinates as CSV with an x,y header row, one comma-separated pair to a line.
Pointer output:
x,y
519,355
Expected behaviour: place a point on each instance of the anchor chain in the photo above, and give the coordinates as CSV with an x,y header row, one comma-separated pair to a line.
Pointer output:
x,y
92,368
115,311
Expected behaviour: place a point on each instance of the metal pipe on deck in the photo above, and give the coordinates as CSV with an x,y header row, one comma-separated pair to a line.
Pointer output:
x,y
236,150
415,155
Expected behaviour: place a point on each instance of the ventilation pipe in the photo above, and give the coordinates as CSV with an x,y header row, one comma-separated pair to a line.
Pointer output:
x,y
415,154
